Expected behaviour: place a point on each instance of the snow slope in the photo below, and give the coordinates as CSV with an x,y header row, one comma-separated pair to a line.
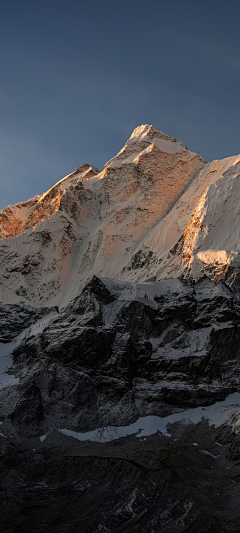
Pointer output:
x,y
156,211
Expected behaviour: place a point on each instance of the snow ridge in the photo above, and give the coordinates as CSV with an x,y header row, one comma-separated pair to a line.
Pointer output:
x,y
156,211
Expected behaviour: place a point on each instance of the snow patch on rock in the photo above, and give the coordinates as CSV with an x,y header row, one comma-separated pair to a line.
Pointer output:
x,y
216,415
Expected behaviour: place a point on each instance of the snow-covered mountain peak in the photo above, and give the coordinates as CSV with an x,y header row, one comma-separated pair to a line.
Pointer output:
x,y
146,139
152,135
94,223
156,211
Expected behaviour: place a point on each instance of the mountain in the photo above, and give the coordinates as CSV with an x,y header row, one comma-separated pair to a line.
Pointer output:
x,y
120,347
94,222
155,211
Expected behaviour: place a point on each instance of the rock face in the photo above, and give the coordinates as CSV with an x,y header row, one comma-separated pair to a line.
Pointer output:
x,y
121,351
128,397
121,406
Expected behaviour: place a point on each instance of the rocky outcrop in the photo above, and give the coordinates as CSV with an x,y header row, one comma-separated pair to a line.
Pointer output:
x,y
106,418
121,351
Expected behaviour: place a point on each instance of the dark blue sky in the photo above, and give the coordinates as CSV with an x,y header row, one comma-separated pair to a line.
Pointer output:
x,y
78,76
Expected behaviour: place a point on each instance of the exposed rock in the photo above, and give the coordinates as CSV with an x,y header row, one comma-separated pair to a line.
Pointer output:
x,y
118,352
123,350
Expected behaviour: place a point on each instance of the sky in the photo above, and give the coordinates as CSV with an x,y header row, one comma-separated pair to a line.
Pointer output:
x,y
76,77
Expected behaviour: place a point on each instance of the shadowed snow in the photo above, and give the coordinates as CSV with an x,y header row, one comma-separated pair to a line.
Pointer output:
x,y
215,415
